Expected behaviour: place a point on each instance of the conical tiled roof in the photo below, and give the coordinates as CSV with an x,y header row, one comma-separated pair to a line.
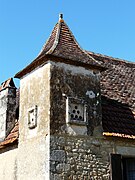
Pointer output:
x,y
62,44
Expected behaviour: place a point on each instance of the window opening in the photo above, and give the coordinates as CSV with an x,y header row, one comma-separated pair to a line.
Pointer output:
x,y
32,117
76,110
129,168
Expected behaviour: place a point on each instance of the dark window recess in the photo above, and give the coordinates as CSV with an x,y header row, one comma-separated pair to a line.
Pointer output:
x,y
17,113
129,168
76,110
75,114
122,168
116,164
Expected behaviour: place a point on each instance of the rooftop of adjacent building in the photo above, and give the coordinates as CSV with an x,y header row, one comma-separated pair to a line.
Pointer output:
x,y
8,83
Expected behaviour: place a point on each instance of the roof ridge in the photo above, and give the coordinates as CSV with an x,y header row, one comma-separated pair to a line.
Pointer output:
x,y
56,41
84,51
42,49
110,57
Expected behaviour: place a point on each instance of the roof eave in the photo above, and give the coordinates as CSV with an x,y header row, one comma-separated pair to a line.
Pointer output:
x,y
118,135
41,60
34,64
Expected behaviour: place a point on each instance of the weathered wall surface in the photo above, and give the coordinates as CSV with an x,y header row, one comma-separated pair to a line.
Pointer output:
x,y
33,159
7,111
74,157
33,150
54,149
77,151
35,90
8,165
3,113
78,83
70,157
85,157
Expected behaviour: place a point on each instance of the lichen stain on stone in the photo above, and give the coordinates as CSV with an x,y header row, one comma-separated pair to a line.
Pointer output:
x,y
90,94
73,85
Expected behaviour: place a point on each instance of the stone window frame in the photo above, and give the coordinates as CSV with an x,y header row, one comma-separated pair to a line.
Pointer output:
x,y
32,124
73,100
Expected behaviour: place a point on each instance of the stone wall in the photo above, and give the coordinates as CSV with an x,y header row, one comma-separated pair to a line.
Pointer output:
x,y
7,111
74,157
84,157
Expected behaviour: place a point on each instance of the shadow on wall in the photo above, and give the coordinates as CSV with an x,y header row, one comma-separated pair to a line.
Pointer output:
x,y
117,117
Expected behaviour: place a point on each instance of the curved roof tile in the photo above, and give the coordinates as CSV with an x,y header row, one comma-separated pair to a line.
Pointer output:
x,y
61,44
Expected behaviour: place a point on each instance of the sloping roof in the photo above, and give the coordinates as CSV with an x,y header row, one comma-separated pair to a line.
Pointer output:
x,y
12,138
8,83
61,44
118,96
118,99
118,81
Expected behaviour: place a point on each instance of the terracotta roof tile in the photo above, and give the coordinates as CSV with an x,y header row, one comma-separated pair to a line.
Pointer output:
x,y
7,83
118,81
118,96
12,137
62,44
66,46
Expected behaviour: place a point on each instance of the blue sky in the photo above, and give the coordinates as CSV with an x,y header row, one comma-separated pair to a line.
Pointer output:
x,y
102,26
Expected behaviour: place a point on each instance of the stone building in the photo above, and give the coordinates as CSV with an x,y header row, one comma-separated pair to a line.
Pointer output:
x,y
72,118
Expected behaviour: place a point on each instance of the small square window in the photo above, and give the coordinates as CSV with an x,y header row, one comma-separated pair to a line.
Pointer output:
x,y
32,117
76,110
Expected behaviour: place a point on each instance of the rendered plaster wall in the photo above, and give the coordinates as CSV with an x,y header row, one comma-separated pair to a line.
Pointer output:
x,y
33,159
125,147
8,165
35,90
33,150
